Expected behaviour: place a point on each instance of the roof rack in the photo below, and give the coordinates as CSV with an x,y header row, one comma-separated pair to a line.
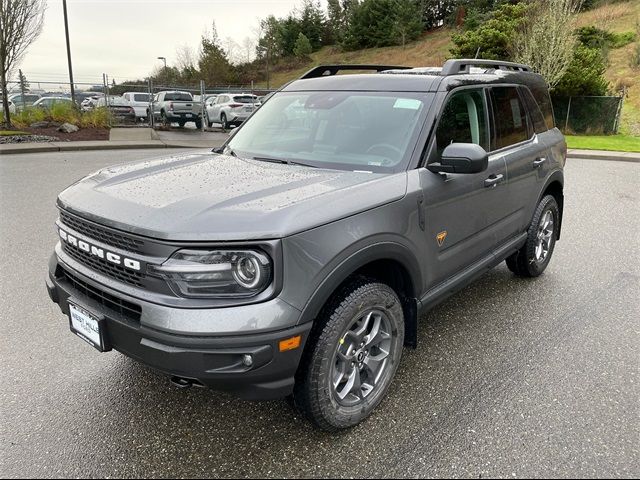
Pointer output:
x,y
328,70
457,66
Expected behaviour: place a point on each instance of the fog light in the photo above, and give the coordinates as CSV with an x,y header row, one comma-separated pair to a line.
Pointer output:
x,y
247,360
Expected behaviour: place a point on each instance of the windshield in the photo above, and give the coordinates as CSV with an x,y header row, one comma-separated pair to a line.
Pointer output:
x,y
370,131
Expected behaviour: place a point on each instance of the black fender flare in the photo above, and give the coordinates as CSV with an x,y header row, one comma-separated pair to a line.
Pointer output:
x,y
383,250
556,176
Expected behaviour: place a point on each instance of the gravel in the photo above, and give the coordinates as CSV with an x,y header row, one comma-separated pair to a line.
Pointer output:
x,y
28,139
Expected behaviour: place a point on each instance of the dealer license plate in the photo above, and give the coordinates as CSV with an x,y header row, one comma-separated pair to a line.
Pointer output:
x,y
87,326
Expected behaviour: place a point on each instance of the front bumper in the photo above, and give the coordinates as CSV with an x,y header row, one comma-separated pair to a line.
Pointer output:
x,y
212,360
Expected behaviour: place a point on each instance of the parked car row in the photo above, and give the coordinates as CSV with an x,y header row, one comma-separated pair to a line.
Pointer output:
x,y
169,107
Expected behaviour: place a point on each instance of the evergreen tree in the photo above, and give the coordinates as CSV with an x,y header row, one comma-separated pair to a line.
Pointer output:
x,y
214,66
303,46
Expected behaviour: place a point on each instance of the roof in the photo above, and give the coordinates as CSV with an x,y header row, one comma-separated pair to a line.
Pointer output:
x,y
453,73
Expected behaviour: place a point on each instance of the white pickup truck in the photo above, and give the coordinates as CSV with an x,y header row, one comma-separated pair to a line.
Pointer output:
x,y
176,107
140,103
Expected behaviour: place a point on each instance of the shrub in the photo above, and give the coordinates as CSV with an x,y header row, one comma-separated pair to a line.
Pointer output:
x,y
594,37
62,113
585,75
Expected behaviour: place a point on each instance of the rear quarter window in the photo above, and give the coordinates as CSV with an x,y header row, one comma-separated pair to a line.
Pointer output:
x,y
539,124
540,92
510,117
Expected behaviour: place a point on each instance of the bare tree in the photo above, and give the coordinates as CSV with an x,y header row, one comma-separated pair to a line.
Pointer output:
x,y
232,48
547,41
20,24
248,49
185,57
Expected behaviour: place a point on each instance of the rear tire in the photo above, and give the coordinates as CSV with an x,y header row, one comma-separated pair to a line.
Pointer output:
x,y
198,124
223,121
164,120
181,124
534,256
351,356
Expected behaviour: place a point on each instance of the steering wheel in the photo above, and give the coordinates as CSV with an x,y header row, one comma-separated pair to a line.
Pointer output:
x,y
384,149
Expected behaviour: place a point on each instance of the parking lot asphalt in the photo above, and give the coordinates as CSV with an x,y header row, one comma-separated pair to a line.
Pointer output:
x,y
512,377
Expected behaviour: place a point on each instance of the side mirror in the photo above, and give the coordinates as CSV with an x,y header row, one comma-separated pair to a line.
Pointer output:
x,y
461,158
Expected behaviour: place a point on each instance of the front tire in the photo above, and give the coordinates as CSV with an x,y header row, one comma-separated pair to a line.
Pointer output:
x,y
352,356
534,257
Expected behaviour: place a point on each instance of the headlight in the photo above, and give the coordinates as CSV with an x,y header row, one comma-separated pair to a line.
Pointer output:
x,y
216,273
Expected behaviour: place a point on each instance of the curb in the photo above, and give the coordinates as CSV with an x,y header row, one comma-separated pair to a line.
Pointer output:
x,y
107,145
605,156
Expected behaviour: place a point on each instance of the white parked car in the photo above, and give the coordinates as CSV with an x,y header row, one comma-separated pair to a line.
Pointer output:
x,y
230,109
20,102
12,107
140,103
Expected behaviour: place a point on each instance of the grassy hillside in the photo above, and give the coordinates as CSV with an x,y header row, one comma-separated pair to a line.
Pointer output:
x,y
433,49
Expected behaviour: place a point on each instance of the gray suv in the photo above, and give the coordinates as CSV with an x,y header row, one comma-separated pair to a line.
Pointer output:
x,y
295,260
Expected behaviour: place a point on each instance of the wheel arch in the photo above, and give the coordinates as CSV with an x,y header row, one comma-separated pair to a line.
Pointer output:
x,y
388,262
555,186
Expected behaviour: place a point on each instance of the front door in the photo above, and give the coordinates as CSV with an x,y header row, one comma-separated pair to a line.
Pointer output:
x,y
464,213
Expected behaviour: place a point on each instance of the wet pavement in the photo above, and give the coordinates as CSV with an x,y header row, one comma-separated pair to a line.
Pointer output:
x,y
512,377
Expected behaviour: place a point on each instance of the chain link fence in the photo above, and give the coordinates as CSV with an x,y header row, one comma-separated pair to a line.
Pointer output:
x,y
129,104
588,115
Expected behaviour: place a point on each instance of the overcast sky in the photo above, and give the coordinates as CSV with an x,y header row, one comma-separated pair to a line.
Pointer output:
x,y
123,37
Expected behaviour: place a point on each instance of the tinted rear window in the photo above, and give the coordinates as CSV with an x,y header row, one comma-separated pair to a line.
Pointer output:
x,y
245,99
141,97
178,97
510,117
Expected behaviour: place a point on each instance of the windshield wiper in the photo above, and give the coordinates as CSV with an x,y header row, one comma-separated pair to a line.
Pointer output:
x,y
282,161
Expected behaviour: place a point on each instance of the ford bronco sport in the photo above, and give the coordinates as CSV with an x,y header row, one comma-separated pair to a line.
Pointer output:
x,y
295,260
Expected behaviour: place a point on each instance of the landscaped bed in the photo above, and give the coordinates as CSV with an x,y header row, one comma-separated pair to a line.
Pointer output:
x,y
620,143
50,134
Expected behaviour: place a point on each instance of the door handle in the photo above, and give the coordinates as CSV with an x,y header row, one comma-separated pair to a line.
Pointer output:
x,y
493,180
539,161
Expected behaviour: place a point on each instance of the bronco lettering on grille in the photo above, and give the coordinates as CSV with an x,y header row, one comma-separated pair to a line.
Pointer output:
x,y
101,253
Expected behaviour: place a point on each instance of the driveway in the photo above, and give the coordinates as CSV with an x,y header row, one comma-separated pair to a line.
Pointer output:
x,y
512,377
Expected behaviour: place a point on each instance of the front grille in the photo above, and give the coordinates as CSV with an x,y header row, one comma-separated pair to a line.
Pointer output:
x,y
110,237
126,309
110,269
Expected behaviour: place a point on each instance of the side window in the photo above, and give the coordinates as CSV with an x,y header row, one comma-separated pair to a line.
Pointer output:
x,y
510,117
535,114
463,120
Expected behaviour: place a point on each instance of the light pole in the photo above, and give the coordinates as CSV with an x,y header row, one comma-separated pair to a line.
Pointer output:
x,y
164,72
66,31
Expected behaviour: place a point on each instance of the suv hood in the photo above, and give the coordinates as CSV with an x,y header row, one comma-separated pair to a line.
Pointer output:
x,y
211,197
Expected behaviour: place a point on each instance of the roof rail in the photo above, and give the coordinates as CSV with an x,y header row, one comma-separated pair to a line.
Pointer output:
x,y
457,66
328,70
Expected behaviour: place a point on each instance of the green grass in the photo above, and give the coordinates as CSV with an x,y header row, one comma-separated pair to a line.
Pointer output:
x,y
8,133
620,143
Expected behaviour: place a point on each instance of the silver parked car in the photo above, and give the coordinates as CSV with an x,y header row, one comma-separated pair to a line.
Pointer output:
x,y
48,102
230,109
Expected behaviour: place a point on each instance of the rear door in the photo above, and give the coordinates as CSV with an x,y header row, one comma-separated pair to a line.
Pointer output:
x,y
524,153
